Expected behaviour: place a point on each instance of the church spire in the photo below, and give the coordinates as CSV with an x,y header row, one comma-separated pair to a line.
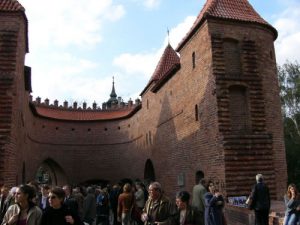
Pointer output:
x,y
113,96
113,92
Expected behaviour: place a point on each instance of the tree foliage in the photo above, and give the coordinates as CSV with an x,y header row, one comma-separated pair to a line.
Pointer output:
x,y
289,79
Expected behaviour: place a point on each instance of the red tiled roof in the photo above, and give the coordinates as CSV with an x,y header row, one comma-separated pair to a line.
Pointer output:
x,y
11,5
15,6
167,63
81,115
240,10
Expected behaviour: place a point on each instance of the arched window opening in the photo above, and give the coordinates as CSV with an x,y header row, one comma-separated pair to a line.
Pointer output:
x,y
196,113
239,109
232,58
194,60
150,138
149,174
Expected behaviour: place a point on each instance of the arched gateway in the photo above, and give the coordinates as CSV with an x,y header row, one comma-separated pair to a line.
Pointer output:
x,y
49,172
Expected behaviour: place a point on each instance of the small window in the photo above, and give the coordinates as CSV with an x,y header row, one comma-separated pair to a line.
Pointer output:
x,y
150,138
119,128
73,129
194,59
147,104
56,128
196,113
89,129
105,129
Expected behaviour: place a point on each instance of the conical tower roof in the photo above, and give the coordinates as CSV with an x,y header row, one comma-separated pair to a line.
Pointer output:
x,y
239,10
15,6
11,5
168,62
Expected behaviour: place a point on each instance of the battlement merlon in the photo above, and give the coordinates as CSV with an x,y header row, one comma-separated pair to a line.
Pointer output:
x,y
120,105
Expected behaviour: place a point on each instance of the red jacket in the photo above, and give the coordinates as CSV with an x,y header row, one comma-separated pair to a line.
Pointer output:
x,y
125,203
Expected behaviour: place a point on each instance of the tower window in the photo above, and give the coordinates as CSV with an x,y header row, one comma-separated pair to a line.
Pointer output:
x,y
146,138
150,138
194,59
196,113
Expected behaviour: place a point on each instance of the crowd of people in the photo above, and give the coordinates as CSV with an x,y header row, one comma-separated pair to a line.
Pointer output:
x,y
127,203
132,203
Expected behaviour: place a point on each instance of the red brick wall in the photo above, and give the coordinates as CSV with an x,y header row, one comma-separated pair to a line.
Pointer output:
x,y
12,96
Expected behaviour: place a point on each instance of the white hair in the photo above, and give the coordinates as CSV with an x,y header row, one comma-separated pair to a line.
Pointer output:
x,y
259,178
13,190
156,185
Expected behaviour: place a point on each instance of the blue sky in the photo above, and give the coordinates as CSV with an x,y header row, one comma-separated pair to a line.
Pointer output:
x,y
77,46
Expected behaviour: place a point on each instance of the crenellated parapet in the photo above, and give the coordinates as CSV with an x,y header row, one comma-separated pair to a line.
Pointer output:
x,y
119,105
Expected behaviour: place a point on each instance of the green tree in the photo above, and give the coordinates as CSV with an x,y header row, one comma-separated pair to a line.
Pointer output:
x,y
289,79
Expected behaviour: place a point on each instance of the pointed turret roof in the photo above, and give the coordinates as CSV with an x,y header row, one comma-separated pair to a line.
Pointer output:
x,y
15,6
240,10
168,64
11,5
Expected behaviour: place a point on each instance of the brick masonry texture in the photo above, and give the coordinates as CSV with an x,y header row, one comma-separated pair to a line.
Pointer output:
x,y
221,115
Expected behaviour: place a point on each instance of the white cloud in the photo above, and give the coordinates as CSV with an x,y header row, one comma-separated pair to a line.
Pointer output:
x,y
145,63
149,4
179,32
58,30
68,76
68,22
287,24
136,63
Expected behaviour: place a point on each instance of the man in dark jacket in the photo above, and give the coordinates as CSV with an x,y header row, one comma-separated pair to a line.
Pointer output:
x,y
70,201
158,209
89,206
260,201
